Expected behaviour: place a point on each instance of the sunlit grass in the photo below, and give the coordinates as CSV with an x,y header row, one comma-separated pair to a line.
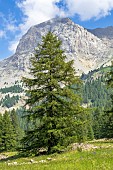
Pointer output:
x,y
96,159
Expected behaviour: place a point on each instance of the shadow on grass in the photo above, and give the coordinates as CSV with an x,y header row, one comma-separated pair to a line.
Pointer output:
x,y
103,142
10,158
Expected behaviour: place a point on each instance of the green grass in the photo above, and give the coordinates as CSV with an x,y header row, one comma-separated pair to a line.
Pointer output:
x,y
98,159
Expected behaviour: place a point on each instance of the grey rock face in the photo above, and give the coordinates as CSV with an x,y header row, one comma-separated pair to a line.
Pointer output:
x,y
105,34
88,51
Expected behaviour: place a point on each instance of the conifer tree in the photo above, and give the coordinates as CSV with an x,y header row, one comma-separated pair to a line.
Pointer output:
x,y
52,99
109,113
17,130
8,133
1,122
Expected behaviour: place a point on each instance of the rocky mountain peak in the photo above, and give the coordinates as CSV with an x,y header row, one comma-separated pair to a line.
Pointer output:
x,y
31,39
88,51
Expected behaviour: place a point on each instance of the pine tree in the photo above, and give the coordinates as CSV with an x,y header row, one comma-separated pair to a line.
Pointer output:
x,y
8,133
1,122
17,130
109,113
52,99
98,123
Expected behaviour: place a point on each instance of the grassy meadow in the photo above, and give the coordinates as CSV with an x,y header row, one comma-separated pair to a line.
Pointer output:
x,y
94,159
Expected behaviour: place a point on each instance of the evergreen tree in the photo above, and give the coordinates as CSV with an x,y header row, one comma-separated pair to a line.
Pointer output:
x,y
109,113
90,132
1,122
8,133
98,123
17,130
52,99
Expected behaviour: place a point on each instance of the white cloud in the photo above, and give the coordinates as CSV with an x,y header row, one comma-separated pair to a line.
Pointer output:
x,y
13,45
37,11
11,27
2,33
88,9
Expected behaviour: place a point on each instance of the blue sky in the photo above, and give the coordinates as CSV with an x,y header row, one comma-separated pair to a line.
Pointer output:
x,y
17,16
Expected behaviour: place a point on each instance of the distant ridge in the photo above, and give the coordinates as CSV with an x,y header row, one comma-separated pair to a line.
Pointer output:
x,y
103,32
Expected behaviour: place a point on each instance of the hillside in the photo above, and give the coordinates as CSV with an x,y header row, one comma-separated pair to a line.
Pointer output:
x,y
95,155
94,91
88,51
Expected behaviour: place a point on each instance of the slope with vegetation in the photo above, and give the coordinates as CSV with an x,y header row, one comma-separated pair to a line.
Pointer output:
x,y
54,117
94,159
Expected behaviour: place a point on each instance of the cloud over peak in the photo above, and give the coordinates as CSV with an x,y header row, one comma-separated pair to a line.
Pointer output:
x,y
88,9
37,11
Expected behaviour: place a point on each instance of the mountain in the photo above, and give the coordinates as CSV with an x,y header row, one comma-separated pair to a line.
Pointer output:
x,y
88,51
105,34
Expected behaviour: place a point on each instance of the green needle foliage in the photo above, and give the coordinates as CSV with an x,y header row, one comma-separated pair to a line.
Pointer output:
x,y
54,105
19,133
109,113
1,126
7,133
110,77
